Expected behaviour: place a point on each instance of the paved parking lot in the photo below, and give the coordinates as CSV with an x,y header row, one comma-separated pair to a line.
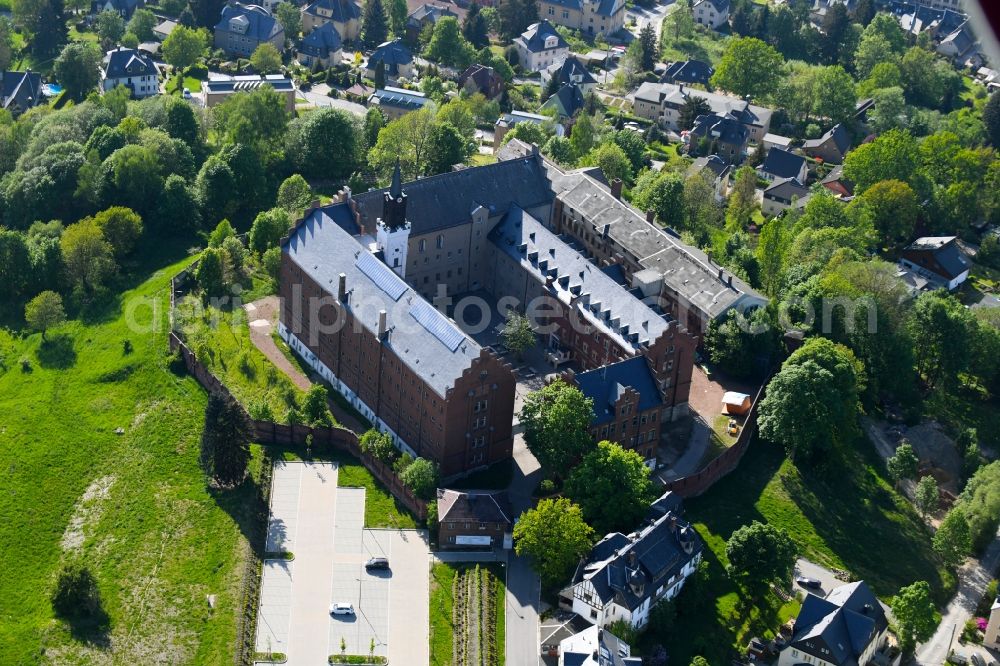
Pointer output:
x,y
323,526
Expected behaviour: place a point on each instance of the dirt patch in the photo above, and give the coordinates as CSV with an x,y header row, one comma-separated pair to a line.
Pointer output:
x,y
935,449
87,511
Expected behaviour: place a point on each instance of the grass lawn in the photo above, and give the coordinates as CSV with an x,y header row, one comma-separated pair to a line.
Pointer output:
x,y
706,45
479,159
848,518
233,358
442,602
177,84
134,506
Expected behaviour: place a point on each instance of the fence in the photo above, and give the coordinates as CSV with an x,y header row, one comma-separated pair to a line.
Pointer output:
x,y
696,484
246,634
319,439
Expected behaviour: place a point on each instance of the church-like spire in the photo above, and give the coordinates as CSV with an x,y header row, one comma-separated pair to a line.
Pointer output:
x,y
396,188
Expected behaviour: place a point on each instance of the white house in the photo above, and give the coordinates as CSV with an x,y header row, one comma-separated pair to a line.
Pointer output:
x,y
937,259
625,576
540,47
129,68
711,13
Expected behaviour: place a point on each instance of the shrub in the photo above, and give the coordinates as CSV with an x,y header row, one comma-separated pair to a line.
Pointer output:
x,y
379,446
546,487
421,476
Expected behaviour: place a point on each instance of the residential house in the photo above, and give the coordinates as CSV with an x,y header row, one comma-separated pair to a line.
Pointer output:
x,y
623,577
831,147
396,102
473,519
992,635
321,48
719,170
595,646
836,183
711,13
124,8
662,102
540,47
245,27
724,136
776,141
688,71
345,15
783,164
395,57
782,194
481,79
425,15
847,628
592,17
507,121
566,102
216,91
20,91
573,71
129,68
163,29
938,259
960,45
627,405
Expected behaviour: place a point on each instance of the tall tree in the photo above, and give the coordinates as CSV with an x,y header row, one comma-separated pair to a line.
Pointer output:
x,y
142,23
374,25
611,159
475,29
835,34
515,17
945,330
953,540
649,46
44,311
760,554
902,464
44,22
612,487
183,46
408,140
77,69
581,138
290,18
892,155
915,617
265,58
556,421
692,107
89,257
662,193
225,441
892,207
747,68
838,97
110,26
325,144
447,148
555,535
448,46
398,13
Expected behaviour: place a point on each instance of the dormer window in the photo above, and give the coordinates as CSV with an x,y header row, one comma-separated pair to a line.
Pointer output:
x,y
551,42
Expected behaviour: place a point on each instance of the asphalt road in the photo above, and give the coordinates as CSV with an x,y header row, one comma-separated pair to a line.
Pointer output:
x,y
523,585
972,580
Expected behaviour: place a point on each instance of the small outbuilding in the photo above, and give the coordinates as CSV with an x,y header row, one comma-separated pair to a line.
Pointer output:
x,y
736,403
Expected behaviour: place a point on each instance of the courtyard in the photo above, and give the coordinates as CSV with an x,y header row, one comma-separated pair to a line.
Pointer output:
x,y
317,545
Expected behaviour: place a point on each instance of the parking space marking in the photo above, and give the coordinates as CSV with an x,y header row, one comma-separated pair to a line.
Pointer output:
x,y
283,521
373,611
275,612
346,589
350,521
377,543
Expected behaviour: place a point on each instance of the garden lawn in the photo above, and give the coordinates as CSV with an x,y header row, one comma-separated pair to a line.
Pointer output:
x,y
846,516
442,602
133,506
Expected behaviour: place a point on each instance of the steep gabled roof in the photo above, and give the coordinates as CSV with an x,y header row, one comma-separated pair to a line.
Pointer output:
x,y
342,11
726,129
534,37
688,71
571,70
566,101
946,253
837,134
322,41
844,623
472,505
782,163
602,383
121,63
428,12
259,24
391,53
20,89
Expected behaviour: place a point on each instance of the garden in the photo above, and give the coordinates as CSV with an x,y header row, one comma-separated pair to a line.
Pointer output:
x,y
467,615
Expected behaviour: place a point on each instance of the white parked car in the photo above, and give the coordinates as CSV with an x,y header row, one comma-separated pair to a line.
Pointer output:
x,y
341,609
186,94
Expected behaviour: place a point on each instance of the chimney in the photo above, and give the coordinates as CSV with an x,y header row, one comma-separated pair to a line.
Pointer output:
x,y
616,188
604,232
673,523
381,325
730,280
342,287
650,216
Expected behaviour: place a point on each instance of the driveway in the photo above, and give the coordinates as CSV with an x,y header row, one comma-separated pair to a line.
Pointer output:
x,y
653,16
317,96
323,526
973,578
827,579
523,585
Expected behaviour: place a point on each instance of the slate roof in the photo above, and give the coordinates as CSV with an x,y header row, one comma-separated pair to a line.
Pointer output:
x,y
407,99
428,12
721,6
534,37
322,41
324,250
22,89
393,54
786,189
261,25
485,79
837,134
571,70
124,7
846,622
675,96
122,63
726,129
595,646
567,100
688,71
659,553
342,10
448,199
946,253
782,164
713,163
473,506
604,7
605,385
602,302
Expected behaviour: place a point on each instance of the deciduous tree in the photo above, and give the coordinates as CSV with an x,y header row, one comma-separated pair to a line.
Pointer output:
x,y
142,23
914,611
290,18
991,118
760,554
892,207
44,311
110,26
612,487
315,407
903,463
555,535
183,46
448,46
747,68
926,495
556,421
76,69
294,194
953,540
421,476
265,58
89,257
325,144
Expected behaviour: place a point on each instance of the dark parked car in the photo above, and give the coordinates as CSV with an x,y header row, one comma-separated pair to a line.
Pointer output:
x,y
809,583
377,563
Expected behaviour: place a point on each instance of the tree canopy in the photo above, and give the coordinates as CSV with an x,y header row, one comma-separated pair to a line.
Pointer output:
x,y
556,421
612,487
555,535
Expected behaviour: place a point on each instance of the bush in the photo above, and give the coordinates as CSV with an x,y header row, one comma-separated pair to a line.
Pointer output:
x,y
421,476
546,487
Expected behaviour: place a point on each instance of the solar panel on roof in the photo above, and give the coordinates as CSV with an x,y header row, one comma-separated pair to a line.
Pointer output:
x,y
436,324
381,275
